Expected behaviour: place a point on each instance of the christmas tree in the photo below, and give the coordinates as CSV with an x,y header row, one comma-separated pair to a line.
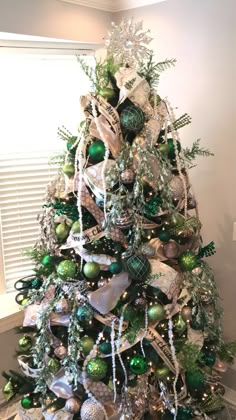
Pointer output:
x,y
121,316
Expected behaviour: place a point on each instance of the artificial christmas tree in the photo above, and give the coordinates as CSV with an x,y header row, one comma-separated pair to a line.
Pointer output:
x,y
121,317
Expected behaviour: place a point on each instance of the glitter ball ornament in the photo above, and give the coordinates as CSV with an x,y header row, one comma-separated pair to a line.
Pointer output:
x,y
73,405
132,118
27,402
138,267
162,372
156,312
66,269
164,236
97,151
91,410
171,145
96,368
54,365
84,314
127,176
60,352
171,249
188,261
8,391
68,169
86,344
91,270
105,348
177,187
138,365
25,343
116,267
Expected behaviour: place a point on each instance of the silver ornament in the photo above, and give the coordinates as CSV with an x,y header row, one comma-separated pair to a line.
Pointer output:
x,y
171,249
127,176
73,405
146,250
177,187
91,410
60,352
61,306
102,282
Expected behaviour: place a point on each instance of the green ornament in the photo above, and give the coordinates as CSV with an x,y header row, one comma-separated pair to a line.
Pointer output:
x,y
54,366
164,148
68,169
96,369
48,261
116,267
138,267
188,261
105,348
84,314
195,381
156,312
62,231
27,402
162,372
91,270
25,343
36,283
8,391
138,365
66,269
107,93
86,344
132,118
76,227
171,145
164,236
209,358
97,151
179,324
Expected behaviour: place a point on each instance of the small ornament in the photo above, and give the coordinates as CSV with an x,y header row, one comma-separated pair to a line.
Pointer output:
x,y
132,118
188,261
48,261
125,221
171,249
177,188
96,369
91,410
60,352
61,306
27,402
138,365
116,267
138,267
171,145
25,343
179,324
105,348
195,381
162,372
107,93
91,270
209,358
146,250
127,176
84,314
76,227
164,148
97,151
54,366
164,236
73,405
156,312
8,391
62,231
68,169
102,282
186,313
86,344
66,269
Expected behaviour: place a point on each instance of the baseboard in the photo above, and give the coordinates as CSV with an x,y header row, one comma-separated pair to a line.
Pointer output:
x,y
230,396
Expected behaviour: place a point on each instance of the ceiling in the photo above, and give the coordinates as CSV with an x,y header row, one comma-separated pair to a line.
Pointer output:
x,y
113,5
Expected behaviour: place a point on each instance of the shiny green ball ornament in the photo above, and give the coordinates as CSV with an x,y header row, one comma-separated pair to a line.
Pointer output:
x,y
86,344
116,267
96,369
164,236
105,348
68,169
171,145
156,312
91,270
54,366
164,148
76,227
188,261
132,118
138,365
195,381
162,372
84,314
62,231
27,402
48,261
8,391
66,269
97,151
107,93
25,343
138,267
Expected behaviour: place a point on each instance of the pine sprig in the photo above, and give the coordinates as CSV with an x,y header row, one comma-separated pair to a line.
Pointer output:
x,y
100,76
196,150
151,71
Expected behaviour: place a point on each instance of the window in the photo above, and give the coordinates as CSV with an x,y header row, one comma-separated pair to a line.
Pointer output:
x,y
40,87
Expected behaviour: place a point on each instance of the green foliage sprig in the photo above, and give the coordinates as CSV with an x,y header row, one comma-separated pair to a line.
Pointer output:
x,y
196,150
189,356
151,71
100,76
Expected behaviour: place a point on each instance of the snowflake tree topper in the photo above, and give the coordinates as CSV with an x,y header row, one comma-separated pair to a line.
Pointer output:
x,y
127,42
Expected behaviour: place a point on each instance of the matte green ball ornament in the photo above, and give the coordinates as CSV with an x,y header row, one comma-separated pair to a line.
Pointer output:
x,y
156,312
164,236
76,227
132,118
171,145
66,269
86,344
107,93
96,369
91,270
25,343
188,261
84,314
54,366
116,267
27,402
138,365
68,169
162,372
105,348
195,381
138,267
97,151
48,261
62,231
8,391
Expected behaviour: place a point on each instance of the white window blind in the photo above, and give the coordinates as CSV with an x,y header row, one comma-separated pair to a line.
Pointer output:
x,y
40,91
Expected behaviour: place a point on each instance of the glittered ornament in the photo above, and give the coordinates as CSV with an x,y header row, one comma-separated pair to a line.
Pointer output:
x,y
61,307
105,348
171,145
107,93
91,410
171,249
177,187
60,352
162,372
84,314
76,227
48,261
156,312
96,368
27,402
186,313
164,235
97,151
138,365
138,267
73,405
66,269
127,176
188,261
8,391
53,365
116,267
86,344
68,169
132,118
91,270
195,381
25,343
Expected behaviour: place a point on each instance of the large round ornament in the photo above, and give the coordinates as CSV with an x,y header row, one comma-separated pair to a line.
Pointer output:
x,y
138,267
91,410
86,344
116,267
68,169
96,368
54,366
97,151
132,118
188,261
138,365
27,402
171,145
127,176
25,343
84,314
8,391
91,270
66,269
162,372
171,249
156,312
73,405
62,231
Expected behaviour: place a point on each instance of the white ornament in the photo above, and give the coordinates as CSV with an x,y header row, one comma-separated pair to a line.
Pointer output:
x,y
91,410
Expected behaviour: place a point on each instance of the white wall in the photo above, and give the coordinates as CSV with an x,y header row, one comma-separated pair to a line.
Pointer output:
x,y
201,34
